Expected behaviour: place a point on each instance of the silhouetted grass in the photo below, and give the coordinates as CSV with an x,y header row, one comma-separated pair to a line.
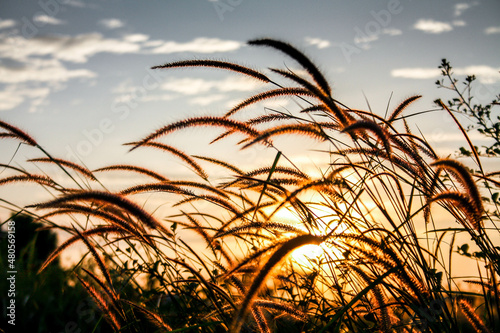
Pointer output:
x,y
375,209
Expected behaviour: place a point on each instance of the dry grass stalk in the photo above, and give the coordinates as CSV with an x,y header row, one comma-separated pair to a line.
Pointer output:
x,y
103,305
17,133
367,197
472,317
216,64
134,168
82,170
299,57
276,257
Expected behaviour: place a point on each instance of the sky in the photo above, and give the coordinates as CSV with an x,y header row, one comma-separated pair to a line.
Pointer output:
x,y
70,69
76,75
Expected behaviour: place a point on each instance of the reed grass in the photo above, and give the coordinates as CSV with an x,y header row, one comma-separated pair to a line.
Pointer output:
x,y
385,209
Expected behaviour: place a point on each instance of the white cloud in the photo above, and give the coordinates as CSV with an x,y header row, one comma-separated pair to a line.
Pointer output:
x,y
37,98
188,86
34,81
126,91
392,32
485,74
206,100
45,19
75,3
195,86
318,42
135,95
8,23
42,60
365,39
42,70
80,48
200,45
432,27
111,23
124,87
68,48
136,38
154,43
237,83
492,30
14,95
416,73
460,8
275,103
9,98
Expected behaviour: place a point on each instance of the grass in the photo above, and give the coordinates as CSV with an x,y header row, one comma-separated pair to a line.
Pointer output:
x,y
376,208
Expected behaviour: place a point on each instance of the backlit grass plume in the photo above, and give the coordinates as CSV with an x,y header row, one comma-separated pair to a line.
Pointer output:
x,y
366,237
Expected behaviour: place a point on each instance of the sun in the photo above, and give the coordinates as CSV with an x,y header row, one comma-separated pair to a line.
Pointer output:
x,y
306,255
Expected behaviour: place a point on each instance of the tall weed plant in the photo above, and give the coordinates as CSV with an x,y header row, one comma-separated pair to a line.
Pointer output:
x,y
381,212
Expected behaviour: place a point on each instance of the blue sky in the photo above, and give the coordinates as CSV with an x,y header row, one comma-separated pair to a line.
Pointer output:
x,y
76,74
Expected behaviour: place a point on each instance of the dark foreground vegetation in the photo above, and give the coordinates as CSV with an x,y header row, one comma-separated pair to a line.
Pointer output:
x,y
382,206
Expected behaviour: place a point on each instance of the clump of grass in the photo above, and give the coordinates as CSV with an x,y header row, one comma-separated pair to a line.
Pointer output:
x,y
385,262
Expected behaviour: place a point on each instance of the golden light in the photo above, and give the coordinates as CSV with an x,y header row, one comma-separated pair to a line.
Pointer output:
x,y
305,255
309,256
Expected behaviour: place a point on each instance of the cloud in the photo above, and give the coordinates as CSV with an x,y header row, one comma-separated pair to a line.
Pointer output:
x,y
127,92
206,91
10,98
7,23
33,82
75,3
42,70
188,86
392,32
80,48
200,45
492,30
416,73
206,100
432,27
112,23
14,95
318,42
136,38
365,39
237,83
154,43
43,60
196,86
485,74
460,8
135,95
124,87
45,19
77,48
